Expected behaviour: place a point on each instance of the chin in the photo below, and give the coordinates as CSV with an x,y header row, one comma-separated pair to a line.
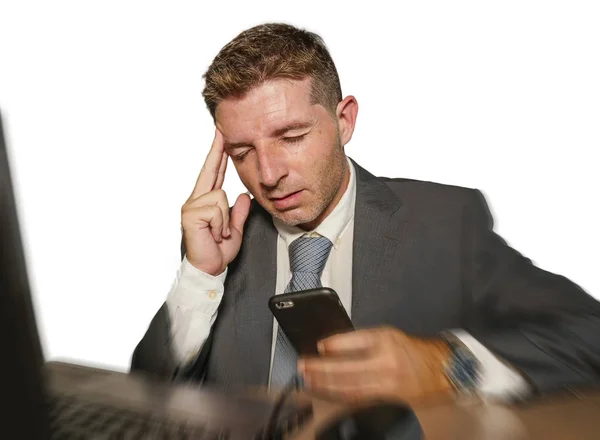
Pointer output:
x,y
294,217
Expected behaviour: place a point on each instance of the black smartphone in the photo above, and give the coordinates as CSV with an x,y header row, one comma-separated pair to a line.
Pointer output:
x,y
307,316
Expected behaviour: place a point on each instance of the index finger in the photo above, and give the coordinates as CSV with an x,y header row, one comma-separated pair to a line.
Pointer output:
x,y
210,170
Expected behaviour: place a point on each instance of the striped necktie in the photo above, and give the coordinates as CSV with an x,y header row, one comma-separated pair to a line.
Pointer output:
x,y
308,256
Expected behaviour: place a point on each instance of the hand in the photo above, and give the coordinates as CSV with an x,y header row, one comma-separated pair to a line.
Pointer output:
x,y
378,364
212,240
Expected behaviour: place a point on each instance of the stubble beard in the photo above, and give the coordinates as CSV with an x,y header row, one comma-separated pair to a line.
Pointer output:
x,y
330,177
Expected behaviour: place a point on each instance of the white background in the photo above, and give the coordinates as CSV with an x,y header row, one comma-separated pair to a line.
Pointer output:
x,y
107,131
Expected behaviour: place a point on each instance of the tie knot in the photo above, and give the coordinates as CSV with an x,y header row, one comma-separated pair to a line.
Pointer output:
x,y
309,254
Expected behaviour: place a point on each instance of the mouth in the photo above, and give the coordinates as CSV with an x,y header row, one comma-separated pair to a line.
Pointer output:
x,y
283,197
287,201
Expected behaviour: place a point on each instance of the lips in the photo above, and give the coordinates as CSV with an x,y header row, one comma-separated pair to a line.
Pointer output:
x,y
288,201
283,197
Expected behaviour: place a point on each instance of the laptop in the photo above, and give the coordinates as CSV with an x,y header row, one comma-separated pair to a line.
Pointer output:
x,y
68,401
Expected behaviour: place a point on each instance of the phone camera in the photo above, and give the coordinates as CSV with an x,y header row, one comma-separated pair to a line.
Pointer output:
x,y
284,304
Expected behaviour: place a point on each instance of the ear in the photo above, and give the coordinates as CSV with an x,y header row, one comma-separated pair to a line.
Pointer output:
x,y
346,113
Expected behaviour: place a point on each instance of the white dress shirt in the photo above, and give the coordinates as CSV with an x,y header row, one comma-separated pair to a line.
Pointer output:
x,y
195,296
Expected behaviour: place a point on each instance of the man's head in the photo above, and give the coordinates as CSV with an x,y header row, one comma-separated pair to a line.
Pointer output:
x,y
275,95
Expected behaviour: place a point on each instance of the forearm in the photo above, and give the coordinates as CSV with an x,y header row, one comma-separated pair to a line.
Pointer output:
x,y
551,355
193,303
180,329
154,355
497,379
540,323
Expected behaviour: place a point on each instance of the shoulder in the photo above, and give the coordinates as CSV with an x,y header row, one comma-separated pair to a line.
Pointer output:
x,y
442,201
437,203
414,191
420,192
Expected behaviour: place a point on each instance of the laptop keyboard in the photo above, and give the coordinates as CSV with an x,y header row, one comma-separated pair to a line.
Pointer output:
x,y
73,418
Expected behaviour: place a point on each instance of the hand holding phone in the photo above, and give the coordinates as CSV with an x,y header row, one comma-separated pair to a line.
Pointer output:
x,y
308,316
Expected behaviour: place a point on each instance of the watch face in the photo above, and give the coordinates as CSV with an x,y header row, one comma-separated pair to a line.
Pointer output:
x,y
463,370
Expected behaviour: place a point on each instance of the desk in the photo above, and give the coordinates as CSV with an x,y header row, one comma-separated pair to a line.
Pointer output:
x,y
573,416
568,417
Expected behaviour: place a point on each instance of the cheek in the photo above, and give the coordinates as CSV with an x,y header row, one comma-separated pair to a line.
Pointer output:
x,y
318,154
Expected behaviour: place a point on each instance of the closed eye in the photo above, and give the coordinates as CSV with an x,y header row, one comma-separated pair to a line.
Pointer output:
x,y
295,139
240,157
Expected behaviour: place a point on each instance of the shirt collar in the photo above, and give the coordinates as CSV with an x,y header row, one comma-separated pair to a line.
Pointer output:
x,y
334,225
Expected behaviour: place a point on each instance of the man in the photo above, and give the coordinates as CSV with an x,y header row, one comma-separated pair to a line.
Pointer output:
x,y
443,306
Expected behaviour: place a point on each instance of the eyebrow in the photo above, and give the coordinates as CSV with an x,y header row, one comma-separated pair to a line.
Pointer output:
x,y
292,126
234,145
279,132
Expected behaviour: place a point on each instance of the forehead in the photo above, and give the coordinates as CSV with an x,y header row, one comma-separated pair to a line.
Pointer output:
x,y
265,108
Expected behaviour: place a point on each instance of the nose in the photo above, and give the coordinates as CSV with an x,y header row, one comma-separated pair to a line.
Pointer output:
x,y
271,166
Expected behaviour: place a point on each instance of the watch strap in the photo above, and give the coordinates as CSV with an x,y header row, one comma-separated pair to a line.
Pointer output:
x,y
463,369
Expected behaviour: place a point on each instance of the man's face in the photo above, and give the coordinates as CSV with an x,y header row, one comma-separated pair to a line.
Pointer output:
x,y
287,151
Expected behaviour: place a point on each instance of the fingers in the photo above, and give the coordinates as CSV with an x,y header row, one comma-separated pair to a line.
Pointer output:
x,y
208,216
342,366
240,212
214,199
348,379
348,343
221,174
218,198
335,374
363,364
209,175
350,387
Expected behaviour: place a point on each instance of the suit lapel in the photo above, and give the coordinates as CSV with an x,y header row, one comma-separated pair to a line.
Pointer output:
x,y
253,319
379,227
380,223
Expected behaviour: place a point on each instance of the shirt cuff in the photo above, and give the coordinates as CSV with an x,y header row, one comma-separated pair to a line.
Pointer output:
x,y
196,290
498,380
193,303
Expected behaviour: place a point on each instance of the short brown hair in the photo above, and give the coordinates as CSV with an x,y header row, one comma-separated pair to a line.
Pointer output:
x,y
270,51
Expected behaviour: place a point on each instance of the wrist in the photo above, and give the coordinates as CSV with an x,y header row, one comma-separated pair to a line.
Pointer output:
x,y
442,355
435,355
194,267
462,368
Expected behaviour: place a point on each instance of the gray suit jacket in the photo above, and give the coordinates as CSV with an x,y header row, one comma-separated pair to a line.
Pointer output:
x,y
425,259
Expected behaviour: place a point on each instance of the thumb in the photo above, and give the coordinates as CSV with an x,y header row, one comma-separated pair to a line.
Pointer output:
x,y
240,211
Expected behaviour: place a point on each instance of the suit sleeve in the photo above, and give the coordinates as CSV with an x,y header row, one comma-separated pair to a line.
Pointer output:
x,y
540,323
178,340
154,353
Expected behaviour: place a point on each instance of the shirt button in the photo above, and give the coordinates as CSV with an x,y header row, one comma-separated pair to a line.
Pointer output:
x,y
212,294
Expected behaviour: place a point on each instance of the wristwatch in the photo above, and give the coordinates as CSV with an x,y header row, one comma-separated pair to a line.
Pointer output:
x,y
463,369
